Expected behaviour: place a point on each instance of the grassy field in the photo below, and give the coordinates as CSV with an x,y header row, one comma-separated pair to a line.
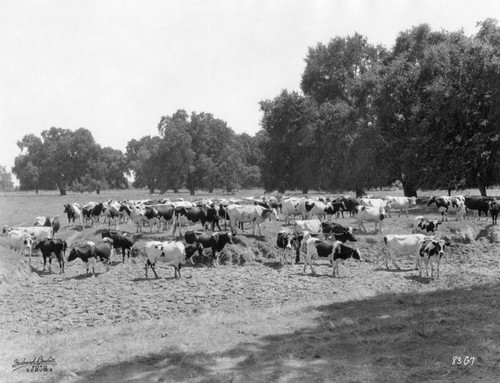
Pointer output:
x,y
258,322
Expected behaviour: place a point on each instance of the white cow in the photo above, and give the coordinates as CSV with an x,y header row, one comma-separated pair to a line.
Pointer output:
x,y
247,213
375,202
310,225
400,203
171,253
37,232
370,214
20,241
404,244
290,207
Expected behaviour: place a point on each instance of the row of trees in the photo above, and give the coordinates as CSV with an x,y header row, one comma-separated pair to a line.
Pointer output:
x,y
426,114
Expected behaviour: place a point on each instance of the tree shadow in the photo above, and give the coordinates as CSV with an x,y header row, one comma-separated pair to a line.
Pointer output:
x,y
393,270
389,337
85,276
419,279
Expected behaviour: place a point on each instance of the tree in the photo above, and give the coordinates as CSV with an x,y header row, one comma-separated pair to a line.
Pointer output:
x,y
6,183
142,161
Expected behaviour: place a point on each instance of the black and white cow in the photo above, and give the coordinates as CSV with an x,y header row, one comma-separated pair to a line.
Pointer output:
x,y
425,226
215,241
73,211
494,210
445,203
350,204
432,251
50,246
336,252
90,252
192,215
174,254
284,241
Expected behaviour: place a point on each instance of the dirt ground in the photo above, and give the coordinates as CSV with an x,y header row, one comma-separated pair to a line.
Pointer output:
x,y
250,283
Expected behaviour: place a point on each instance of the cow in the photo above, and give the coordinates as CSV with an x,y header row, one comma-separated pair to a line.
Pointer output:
x,y
192,215
334,208
401,203
494,209
478,205
290,207
174,254
284,242
215,241
333,227
121,240
136,215
350,204
112,213
404,244
55,225
370,214
20,241
42,221
254,214
52,246
445,203
36,232
90,252
310,225
87,210
336,252
432,251
73,211
425,226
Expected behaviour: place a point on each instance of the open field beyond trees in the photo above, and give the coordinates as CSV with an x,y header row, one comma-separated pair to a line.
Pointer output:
x,y
252,319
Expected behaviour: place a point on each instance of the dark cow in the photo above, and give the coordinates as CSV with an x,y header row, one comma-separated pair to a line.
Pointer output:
x,y
335,208
121,240
55,225
215,241
50,246
478,204
350,204
202,214
284,241
165,213
494,210
97,211
90,252
432,251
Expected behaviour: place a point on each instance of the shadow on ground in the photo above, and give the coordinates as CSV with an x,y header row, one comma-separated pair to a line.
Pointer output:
x,y
391,337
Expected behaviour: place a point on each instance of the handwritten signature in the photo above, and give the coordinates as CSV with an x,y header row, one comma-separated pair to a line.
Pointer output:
x,y
35,362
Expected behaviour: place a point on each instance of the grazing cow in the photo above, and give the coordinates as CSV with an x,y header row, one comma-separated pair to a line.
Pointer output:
x,y
404,245
401,203
215,241
174,254
478,205
121,240
333,227
52,246
425,225
20,241
445,203
73,211
370,214
284,241
254,214
310,225
432,251
90,252
494,210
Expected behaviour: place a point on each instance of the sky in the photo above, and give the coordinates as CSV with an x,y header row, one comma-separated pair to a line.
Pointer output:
x,y
116,67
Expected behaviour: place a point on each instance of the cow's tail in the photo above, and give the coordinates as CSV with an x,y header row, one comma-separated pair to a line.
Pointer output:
x,y
385,239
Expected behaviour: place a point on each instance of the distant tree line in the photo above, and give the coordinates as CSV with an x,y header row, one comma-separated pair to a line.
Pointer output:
x,y
425,114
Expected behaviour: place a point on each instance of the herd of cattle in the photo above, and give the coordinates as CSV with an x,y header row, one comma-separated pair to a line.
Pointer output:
x,y
314,235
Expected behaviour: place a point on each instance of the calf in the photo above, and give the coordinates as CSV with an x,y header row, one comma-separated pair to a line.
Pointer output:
x,y
174,254
425,225
52,246
403,245
284,241
432,251
215,241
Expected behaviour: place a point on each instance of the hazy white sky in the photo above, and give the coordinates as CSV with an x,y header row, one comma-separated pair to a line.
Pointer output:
x,y
116,67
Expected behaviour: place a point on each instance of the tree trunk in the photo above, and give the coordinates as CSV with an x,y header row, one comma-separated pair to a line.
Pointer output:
x,y
176,190
482,190
36,190
409,190
62,190
98,191
192,191
449,192
481,185
305,190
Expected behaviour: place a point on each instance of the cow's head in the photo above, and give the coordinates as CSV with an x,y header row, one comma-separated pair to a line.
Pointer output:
x,y
266,214
190,250
73,255
412,200
431,201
